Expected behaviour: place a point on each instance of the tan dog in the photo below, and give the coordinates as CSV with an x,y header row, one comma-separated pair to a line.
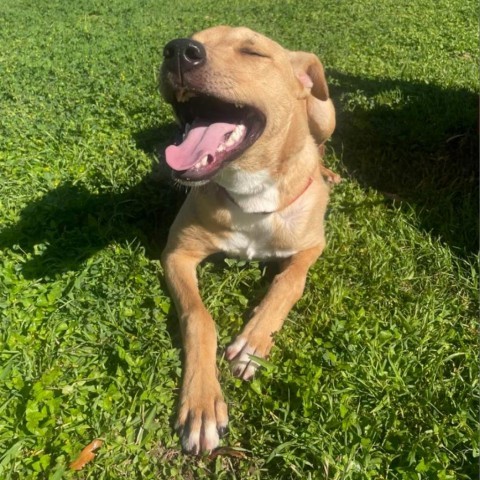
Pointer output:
x,y
249,108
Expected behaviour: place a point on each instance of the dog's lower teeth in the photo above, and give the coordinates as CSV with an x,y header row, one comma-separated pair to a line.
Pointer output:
x,y
234,137
203,162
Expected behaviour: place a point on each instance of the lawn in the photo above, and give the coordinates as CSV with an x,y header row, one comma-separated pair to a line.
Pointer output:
x,y
375,373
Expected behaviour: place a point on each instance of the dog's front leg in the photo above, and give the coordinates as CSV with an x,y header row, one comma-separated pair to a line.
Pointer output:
x,y
202,415
257,336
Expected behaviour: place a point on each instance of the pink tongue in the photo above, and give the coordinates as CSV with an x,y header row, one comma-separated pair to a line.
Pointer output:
x,y
202,139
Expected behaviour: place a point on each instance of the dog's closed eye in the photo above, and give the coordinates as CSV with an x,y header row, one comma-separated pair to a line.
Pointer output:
x,y
253,52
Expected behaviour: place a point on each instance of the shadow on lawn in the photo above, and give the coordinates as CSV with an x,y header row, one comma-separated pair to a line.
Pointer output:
x,y
69,224
420,147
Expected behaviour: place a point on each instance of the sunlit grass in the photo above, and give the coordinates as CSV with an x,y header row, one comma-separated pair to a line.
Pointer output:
x,y
375,372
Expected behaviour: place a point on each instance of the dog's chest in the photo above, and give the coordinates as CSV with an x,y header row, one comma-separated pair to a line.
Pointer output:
x,y
258,235
255,236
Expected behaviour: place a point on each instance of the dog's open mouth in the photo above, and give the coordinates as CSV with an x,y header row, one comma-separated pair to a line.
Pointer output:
x,y
214,133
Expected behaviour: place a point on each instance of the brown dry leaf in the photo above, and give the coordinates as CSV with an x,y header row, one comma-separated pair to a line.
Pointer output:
x,y
86,455
227,452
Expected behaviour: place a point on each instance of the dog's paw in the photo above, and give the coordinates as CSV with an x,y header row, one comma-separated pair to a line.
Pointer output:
x,y
240,355
202,418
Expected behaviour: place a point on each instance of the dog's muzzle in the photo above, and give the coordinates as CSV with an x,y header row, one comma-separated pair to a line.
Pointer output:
x,y
215,130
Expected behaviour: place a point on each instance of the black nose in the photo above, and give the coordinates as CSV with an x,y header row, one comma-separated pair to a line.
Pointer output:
x,y
183,54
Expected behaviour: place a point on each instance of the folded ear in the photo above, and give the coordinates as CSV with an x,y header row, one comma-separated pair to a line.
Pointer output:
x,y
309,71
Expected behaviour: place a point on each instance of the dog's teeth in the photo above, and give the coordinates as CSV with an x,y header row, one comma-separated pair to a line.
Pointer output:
x,y
240,129
203,162
239,105
235,136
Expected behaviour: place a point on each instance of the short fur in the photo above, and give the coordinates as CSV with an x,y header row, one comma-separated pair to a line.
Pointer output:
x,y
281,173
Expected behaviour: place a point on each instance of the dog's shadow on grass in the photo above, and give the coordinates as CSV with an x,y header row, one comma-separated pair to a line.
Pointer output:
x,y
60,230
417,144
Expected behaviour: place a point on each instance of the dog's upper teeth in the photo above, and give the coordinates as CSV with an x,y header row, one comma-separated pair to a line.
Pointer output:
x,y
239,105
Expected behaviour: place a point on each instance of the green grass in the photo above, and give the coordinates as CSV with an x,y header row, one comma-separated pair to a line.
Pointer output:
x,y
375,373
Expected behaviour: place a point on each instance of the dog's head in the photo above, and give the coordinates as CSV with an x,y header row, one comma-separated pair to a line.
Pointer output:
x,y
234,92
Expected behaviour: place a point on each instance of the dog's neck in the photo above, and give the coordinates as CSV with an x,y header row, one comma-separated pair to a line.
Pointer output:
x,y
252,205
262,191
252,192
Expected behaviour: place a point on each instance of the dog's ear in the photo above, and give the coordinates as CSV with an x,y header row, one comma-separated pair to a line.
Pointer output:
x,y
309,71
313,87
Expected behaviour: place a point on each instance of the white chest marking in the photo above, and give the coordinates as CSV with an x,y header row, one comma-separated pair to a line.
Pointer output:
x,y
251,191
252,237
252,233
